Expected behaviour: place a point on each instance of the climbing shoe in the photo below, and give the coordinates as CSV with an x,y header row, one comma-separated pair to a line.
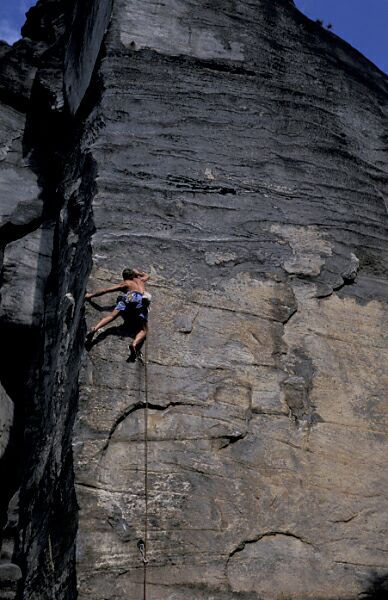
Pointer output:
x,y
89,340
132,353
135,354
90,335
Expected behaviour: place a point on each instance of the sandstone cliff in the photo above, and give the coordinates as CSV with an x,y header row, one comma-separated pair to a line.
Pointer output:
x,y
238,152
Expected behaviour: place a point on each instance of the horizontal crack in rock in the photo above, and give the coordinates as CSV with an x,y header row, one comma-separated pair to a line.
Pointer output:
x,y
259,537
134,408
232,439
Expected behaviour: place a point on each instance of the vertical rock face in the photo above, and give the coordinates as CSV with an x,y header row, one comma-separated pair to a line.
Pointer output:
x,y
243,162
238,152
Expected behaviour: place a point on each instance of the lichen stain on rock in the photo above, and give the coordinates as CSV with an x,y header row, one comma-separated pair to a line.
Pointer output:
x,y
175,28
309,249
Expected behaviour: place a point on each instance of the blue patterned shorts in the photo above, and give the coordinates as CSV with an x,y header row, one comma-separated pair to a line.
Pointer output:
x,y
131,304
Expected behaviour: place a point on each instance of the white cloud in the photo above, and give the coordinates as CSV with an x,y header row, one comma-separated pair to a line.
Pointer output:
x,y
8,32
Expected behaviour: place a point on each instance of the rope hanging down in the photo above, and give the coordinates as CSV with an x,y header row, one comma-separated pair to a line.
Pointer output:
x,y
142,545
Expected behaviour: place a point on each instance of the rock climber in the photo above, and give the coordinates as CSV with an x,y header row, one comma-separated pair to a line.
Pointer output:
x,y
132,304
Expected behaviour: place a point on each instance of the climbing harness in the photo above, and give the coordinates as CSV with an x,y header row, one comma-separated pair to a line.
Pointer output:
x,y
142,543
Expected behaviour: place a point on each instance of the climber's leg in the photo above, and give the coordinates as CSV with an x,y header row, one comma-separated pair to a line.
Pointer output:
x,y
140,336
113,315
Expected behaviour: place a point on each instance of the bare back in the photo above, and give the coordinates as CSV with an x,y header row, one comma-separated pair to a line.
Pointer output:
x,y
134,285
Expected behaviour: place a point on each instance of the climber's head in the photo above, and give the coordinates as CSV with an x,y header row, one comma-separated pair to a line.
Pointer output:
x,y
128,274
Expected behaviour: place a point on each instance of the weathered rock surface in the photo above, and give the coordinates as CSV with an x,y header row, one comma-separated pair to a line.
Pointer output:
x,y
47,182
6,418
243,162
238,152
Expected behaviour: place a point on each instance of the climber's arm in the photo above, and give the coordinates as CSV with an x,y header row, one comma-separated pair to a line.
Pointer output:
x,y
115,288
141,275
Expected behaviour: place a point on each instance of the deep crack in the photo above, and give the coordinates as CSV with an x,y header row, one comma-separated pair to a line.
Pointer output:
x,y
259,537
134,408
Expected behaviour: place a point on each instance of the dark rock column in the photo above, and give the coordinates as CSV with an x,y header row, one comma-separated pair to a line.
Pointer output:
x,y
45,237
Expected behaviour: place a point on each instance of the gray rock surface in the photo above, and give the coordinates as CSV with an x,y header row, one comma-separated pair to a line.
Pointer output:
x,y
242,162
20,202
89,24
6,419
26,265
237,152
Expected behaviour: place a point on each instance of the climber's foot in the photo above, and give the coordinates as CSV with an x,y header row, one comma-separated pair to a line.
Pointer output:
x,y
90,335
89,339
132,353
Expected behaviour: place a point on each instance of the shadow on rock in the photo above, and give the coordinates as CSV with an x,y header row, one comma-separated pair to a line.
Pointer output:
x,y
125,330
377,588
100,308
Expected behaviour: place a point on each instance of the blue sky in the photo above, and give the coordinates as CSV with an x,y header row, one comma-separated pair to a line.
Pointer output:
x,y
363,23
12,17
